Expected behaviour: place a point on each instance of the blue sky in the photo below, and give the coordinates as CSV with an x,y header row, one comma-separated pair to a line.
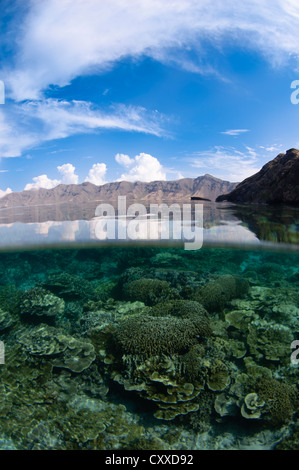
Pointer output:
x,y
132,90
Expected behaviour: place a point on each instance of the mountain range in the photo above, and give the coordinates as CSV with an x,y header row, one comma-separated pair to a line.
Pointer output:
x,y
276,182
205,187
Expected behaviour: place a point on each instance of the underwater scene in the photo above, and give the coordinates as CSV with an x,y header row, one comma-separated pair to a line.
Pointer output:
x,y
143,347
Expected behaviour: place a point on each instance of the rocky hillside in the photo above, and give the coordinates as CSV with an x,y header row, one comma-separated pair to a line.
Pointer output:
x,y
277,182
205,186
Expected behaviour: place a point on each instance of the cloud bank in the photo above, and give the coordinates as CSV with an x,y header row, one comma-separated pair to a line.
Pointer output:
x,y
31,123
60,40
143,167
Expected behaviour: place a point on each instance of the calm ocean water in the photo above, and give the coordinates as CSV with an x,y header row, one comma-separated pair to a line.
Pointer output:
x,y
149,346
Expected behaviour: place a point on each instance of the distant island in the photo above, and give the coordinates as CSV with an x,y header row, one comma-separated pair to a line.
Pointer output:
x,y
277,182
205,187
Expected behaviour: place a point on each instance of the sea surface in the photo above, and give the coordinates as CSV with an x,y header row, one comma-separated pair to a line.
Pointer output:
x,y
142,344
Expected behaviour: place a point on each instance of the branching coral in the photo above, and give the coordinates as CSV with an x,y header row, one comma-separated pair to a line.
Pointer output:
x,y
149,291
280,399
215,294
148,335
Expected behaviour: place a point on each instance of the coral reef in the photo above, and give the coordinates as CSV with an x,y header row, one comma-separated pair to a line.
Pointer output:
x,y
66,351
69,286
148,349
149,291
6,320
149,336
281,400
38,303
252,406
214,295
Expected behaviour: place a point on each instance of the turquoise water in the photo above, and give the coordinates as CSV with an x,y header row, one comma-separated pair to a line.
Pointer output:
x,y
148,347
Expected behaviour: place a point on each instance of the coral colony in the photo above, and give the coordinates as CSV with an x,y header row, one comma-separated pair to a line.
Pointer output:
x,y
148,348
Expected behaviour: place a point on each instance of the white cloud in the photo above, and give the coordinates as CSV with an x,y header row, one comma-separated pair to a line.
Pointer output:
x,y
13,139
4,192
67,170
53,119
60,40
228,164
272,148
96,174
146,168
68,174
235,131
124,160
62,118
41,181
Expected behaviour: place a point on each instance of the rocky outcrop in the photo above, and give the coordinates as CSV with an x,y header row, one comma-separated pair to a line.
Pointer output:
x,y
206,187
277,182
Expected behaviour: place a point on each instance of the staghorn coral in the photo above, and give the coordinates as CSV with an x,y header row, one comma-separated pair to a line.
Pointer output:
x,y
185,309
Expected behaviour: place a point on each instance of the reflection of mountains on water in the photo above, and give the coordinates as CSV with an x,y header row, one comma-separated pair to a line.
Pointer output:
x,y
46,213
223,223
277,224
86,211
